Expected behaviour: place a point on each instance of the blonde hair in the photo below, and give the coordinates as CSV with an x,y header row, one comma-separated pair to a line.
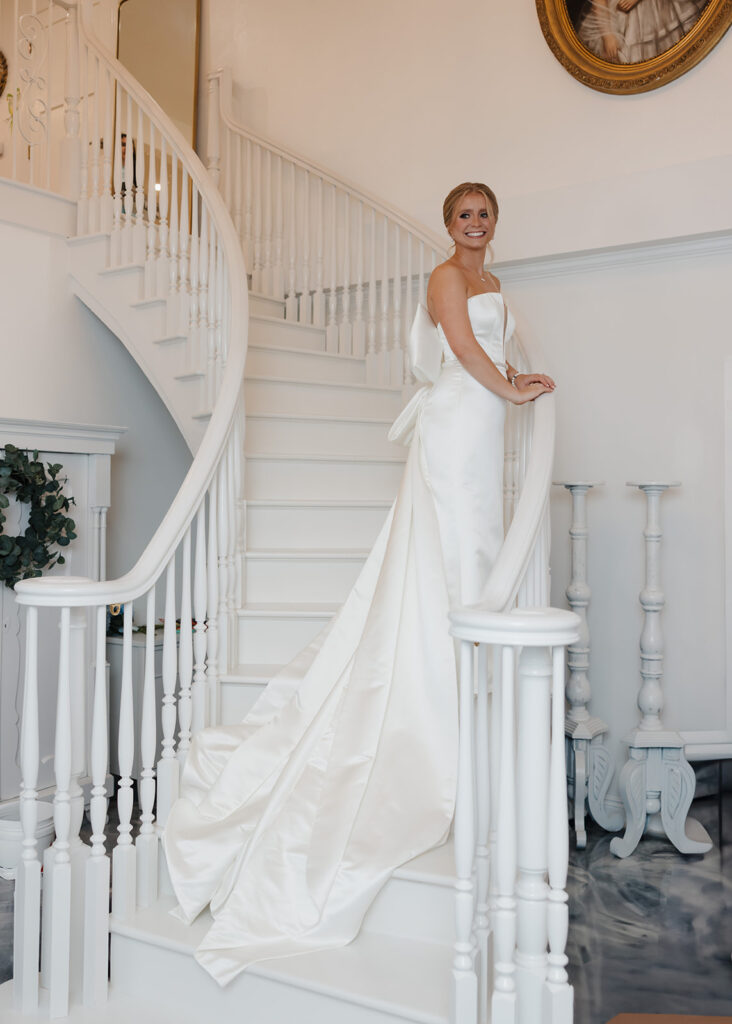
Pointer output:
x,y
466,189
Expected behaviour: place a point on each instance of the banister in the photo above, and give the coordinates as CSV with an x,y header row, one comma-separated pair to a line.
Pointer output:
x,y
54,591
418,231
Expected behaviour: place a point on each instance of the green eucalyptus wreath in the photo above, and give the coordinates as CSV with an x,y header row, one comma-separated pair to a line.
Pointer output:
x,y
26,555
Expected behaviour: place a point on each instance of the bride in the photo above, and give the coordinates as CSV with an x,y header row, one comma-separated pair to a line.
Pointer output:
x,y
290,822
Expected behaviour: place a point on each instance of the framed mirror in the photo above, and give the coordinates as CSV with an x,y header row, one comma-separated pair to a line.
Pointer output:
x,y
630,46
157,41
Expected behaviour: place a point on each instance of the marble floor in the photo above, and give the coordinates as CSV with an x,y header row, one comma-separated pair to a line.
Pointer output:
x,y
650,934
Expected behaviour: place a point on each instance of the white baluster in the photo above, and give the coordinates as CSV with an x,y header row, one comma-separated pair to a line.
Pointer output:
x,y
168,767
407,376
383,363
266,199
115,246
27,908
50,76
213,140
319,297
212,590
291,300
128,205
278,268
94,217
464,981
482,854
172,307
248,240
257,191
123,857
185,654
534,683
213,326
559,996
372,359
224,512
107,186
241,517
78,851
194,268
96,894
151,283
205,302
396,361
82,205
57,867
305,314
331,332
358,341
138,249
147,841
503,1003
344,333
198,687
184,241
164,252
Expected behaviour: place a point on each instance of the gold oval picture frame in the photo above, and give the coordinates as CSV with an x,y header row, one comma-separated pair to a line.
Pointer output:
x,y
610,45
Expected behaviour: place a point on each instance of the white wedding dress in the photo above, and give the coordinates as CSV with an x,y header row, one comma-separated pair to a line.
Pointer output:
x,y
290,822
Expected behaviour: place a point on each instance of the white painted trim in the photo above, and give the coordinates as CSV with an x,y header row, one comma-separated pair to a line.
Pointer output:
x,y
26,206
662,250
51,436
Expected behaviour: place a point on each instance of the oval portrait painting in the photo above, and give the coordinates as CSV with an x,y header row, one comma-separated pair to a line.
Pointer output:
x,y
632,45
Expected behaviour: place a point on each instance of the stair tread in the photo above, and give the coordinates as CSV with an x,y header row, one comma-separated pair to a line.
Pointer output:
x,y
308,554
326,457
394,389
319,417
316,503
122,268
263,347
375,970
281,610
289,323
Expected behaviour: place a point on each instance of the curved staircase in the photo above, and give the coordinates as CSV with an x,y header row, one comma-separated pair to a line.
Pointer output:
x,y
285,397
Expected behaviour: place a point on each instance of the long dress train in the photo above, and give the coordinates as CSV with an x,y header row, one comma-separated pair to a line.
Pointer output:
x,y
291,821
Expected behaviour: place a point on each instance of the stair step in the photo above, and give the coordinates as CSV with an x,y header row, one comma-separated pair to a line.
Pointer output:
x,y
171,339
323,476
315,523
285,394
264,305
295,576
273,432
377,979
303,364
275,332
272,632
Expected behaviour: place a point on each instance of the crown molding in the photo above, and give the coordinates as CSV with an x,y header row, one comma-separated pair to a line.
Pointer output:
x,y
50,436
664,250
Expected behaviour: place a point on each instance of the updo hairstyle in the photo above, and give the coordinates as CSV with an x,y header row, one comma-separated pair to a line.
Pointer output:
x,y
466,189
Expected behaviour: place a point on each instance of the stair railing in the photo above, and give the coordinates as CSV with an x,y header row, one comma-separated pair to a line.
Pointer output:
x,y
338,257
135,179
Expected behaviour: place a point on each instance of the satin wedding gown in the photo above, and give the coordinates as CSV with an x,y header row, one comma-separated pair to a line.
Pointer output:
x,y
290,822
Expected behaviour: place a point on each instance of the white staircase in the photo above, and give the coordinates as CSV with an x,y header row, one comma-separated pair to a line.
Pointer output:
x,y
286,405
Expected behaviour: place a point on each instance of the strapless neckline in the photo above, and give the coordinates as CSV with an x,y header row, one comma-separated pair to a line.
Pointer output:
x,y
478,294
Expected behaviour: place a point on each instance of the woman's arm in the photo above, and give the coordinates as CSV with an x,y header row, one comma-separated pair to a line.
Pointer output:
x,y
447,301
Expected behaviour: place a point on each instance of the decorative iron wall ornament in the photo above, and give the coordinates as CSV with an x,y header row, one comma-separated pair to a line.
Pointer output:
x,y
3,72
629,46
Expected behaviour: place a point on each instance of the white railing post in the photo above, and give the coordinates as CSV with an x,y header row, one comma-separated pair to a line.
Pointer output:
x,y
71,155
168,765
96,893
464,980
213,154
124,883
27,909
147,841
529,986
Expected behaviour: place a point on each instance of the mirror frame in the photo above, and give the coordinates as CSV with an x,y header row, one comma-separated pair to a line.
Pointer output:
x,y
625,79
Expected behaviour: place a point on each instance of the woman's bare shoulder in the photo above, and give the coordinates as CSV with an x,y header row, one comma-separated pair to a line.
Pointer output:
x,y
446,277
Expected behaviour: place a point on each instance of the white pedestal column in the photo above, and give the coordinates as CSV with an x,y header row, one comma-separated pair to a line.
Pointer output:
x,y
589,765
657,782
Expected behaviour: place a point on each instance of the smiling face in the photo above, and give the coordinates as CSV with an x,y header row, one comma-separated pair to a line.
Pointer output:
x,y
474,222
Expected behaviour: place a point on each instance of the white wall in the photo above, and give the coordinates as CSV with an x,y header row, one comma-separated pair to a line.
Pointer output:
x,y
59,363
408,98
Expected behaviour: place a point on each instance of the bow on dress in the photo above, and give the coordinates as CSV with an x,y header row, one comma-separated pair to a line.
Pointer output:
x,y
425,355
